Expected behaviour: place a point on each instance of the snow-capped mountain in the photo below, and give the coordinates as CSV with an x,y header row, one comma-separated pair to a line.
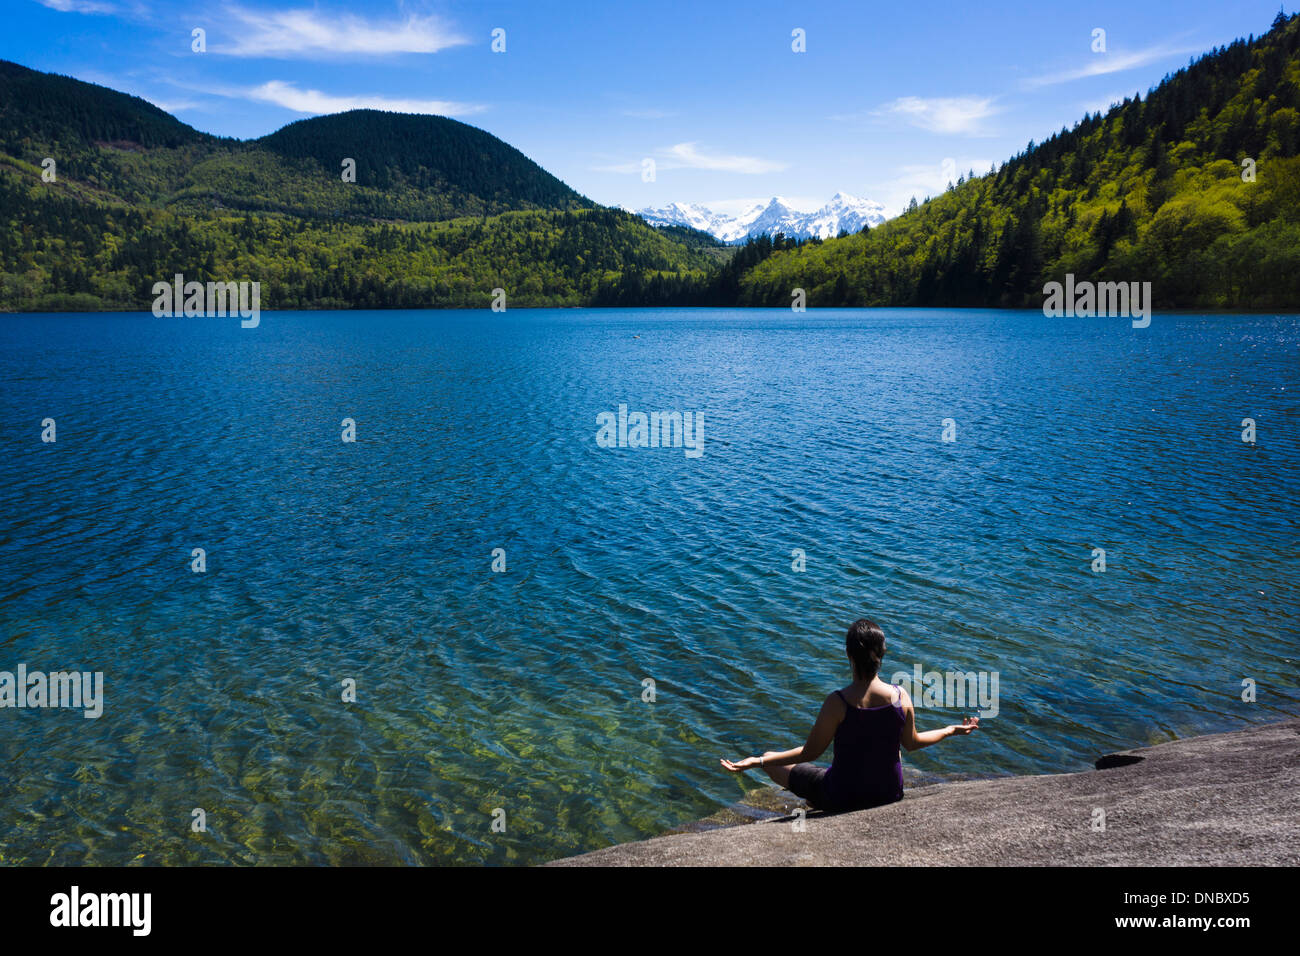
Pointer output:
x,y
684,214
842,212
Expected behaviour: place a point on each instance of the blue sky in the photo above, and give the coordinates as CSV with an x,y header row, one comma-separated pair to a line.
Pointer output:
x,y
886,101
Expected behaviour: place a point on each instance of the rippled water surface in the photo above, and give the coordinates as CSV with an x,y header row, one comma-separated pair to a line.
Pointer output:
x,y
522,690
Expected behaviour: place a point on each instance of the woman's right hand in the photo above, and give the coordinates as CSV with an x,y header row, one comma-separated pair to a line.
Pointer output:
x,y
968,726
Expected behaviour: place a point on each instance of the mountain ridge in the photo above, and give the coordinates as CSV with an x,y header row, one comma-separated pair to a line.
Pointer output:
x,y
409,167
843,213
440,214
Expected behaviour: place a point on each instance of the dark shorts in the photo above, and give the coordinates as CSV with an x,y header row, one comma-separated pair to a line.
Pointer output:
x,y
807,780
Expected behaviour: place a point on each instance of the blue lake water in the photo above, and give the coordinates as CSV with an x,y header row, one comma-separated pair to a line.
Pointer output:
x,y
522,690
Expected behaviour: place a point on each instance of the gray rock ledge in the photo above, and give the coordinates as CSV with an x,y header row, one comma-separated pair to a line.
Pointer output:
x,y
1221,799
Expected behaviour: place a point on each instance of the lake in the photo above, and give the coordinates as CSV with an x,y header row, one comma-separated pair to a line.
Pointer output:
x,y
515,698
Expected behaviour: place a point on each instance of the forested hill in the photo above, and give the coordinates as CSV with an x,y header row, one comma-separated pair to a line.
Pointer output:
x,y
440,213
406,167
1158,189
48,109
428,152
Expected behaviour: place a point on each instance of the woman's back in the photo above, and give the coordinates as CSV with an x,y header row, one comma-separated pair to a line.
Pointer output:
x,y
868,722
866,770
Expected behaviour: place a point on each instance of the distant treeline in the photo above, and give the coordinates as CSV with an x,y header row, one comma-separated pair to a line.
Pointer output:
x,y
67,254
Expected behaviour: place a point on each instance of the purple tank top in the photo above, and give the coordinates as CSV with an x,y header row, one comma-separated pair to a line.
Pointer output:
x,y
866,770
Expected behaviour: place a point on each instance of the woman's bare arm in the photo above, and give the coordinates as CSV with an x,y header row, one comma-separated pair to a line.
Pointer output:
x,y
912,739
819,738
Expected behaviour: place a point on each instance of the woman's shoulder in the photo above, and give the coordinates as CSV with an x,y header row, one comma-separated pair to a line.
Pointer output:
x,y
837,701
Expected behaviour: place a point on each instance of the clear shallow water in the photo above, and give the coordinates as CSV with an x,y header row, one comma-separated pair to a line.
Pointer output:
x,y
522,690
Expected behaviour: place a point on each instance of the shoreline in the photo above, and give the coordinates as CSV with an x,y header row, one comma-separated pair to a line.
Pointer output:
x,y
1218,799
1180,310
770,802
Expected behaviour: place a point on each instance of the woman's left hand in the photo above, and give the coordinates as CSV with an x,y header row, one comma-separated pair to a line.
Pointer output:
x,y
738,766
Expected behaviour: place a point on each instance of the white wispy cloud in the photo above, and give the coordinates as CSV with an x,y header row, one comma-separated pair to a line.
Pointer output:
x,y
77,6
314,101
310,33
617,168
1101,64
963,115
172,106
689,156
